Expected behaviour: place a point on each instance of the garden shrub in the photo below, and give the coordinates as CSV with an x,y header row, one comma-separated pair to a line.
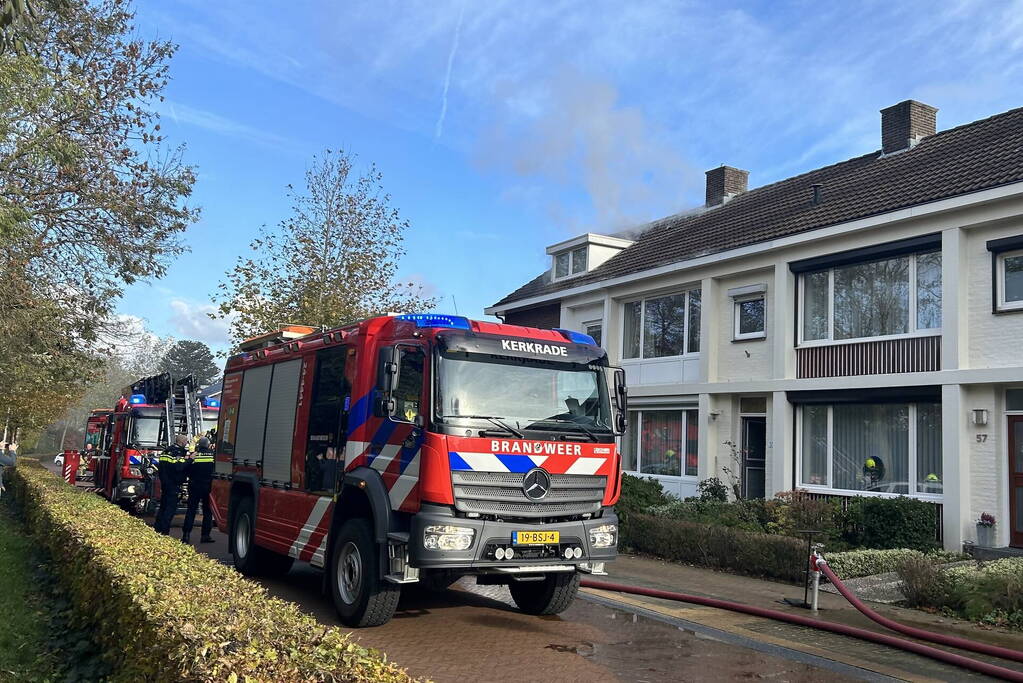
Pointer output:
x,y
715,546
735,514
639,494
128,585
923,583
892,523
713,488
991,592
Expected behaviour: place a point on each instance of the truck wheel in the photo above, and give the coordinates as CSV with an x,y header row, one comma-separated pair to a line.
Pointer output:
x,y
553,595
361,597
249,558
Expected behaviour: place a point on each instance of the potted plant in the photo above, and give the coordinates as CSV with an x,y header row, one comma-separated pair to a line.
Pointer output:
x,y
986,530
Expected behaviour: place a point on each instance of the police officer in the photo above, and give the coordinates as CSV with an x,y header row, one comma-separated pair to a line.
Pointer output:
x,y
172,476
200,480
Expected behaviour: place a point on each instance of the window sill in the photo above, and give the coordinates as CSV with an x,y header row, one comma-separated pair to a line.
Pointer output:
x,y
659,359
1003,310
866,340
673,477
740,340
816,488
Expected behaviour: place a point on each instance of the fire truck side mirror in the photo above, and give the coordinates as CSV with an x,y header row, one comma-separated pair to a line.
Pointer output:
x,y
621,401
387,375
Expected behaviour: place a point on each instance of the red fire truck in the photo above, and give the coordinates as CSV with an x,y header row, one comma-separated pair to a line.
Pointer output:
x,y
135,433
422,448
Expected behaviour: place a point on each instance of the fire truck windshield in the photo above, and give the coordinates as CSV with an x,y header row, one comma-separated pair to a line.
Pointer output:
x,y
523,394
146,432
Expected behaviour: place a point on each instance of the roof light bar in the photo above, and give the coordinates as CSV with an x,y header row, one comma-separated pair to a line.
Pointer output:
x,y
436,320
137,399
576,337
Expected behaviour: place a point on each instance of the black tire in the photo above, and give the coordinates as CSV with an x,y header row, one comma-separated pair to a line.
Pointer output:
x,y
553,595
361,597
249,558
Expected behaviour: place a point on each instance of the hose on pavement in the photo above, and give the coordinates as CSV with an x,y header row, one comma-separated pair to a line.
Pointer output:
x,y
842,629
919,633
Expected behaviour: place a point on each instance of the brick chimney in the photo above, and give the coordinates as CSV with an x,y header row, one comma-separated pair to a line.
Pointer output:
x,y
905,124
724,182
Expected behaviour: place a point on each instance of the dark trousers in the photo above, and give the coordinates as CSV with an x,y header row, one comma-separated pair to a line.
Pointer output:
x,y
169,493
198,492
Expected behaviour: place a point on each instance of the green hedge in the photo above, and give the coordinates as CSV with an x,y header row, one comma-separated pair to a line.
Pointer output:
x,y
160,611
719,547
857,563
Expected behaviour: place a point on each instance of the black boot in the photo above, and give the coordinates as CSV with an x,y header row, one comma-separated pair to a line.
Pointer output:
x,y
206,539
184,539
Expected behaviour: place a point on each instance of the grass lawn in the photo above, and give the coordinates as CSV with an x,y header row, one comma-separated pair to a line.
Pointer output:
x,y
25,654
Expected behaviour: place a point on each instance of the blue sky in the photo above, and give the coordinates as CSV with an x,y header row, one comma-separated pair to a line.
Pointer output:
x,y
505,126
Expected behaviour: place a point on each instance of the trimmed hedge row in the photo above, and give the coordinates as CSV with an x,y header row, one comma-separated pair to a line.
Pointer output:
x,y
991,592
719,547
161,611
856,563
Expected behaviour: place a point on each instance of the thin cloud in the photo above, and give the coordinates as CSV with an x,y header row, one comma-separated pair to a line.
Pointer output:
x,y
439,129
215,123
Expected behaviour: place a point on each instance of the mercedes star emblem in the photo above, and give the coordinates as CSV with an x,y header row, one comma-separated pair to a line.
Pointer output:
x,y
536,483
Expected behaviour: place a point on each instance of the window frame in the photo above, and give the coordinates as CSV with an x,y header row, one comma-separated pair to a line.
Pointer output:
x,y
830,340
1001,305
686,352
911,469
637,428
736,303
570,252
595,323
423,413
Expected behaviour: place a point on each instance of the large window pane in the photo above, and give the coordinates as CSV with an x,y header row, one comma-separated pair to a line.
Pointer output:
x,y
872,299
750,315
695,297
1013,278
661,442
815,306
579,260
630,343
928,448
561,265
664,326
692,439
928,291
815,446
871,448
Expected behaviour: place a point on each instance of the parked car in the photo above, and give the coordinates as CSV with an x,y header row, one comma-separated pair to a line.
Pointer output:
x,y
59,459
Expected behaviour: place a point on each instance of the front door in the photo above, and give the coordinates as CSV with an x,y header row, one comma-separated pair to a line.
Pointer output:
x,y
1016,481
754,452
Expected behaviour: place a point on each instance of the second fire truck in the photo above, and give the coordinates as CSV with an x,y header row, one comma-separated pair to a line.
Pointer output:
x,y
422,448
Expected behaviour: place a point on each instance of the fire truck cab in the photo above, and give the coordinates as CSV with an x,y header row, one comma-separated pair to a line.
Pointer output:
x,y
422,448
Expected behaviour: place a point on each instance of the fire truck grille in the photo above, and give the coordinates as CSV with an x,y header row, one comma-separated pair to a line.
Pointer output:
x,y
500,494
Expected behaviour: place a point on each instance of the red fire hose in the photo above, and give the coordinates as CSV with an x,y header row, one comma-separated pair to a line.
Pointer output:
x,y
842,629
961,643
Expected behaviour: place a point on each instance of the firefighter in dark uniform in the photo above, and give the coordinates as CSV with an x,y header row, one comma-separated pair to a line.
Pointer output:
x,y
172,475
200,481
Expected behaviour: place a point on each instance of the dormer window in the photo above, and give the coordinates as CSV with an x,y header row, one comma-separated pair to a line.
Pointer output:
x,y
583,253
570,262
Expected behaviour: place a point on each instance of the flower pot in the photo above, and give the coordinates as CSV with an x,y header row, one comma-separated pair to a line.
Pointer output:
x,y
985,536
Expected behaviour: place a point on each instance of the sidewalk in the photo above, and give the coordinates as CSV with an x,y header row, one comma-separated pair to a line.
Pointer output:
x,y
653,573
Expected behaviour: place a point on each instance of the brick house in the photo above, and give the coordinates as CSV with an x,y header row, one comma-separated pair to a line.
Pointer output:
x,y
853,330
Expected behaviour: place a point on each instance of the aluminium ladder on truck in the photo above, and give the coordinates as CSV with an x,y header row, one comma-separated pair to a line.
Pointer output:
x,y
184,414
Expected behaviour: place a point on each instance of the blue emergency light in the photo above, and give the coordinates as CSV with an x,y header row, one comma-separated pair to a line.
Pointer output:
x,y
576,337
436,320
211,402
137,399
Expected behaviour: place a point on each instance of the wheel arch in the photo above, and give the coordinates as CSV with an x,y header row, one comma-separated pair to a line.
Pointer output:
x,y
363,494
243,485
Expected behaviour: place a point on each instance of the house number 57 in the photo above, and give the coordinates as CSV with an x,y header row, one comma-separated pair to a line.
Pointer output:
x,y
981,438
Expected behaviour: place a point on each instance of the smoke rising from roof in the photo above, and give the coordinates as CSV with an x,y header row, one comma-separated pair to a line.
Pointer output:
x,y
572,131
